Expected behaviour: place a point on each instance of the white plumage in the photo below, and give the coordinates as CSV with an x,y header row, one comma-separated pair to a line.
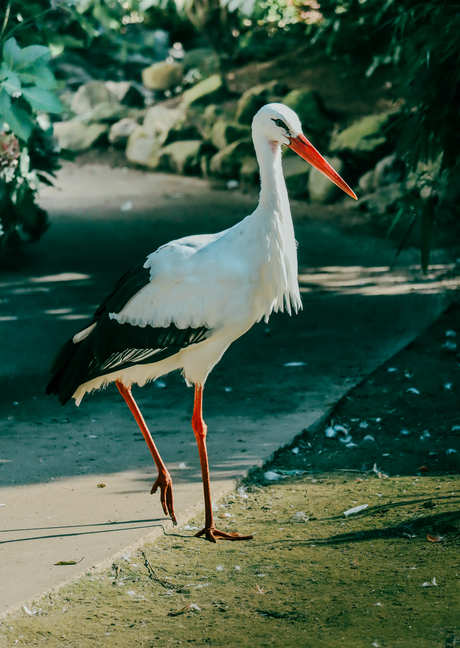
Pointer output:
x,y
202,291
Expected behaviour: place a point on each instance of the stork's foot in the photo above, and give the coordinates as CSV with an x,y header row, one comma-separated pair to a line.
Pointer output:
x,y
164,483
212,534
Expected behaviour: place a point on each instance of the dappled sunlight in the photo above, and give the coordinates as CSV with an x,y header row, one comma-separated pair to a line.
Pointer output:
x,y
63,276
379,280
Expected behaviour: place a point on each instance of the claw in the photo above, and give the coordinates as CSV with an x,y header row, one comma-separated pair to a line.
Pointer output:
x,y
164,482
212,534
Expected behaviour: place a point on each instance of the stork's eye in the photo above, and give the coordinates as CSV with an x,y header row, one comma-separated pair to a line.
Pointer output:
x,y
280,123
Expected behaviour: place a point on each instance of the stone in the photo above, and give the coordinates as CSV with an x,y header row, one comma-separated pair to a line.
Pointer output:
x,y
89,95
203,59
76,136
249,172
320,188
106,111
182,157
363,138
228,162
296,172
142,148
367,182
226,132
253,99
126,93
146,140
211,90
121,130
382,199
310,109
162,76
388,170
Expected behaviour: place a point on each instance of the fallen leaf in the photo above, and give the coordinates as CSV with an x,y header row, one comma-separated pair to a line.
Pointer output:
x,y
101,485
187,608
423,469
435,538
69,562
259,589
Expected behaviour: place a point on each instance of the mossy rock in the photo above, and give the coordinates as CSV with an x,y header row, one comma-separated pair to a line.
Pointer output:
x,y
106,111
296,172
310,109
162,76
203,59
142,147
121,130
253,99
249,172
363,138
211,90
226,132
320,188
76,136
89,95
227,162
183,157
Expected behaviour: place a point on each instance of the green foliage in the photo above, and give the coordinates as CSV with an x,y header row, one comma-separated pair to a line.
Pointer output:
x,y
27,152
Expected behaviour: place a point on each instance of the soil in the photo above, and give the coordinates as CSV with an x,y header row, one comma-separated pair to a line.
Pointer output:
x,y
387,576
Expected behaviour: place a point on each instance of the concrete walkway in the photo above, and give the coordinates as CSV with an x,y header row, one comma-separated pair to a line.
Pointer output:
x,y
54,460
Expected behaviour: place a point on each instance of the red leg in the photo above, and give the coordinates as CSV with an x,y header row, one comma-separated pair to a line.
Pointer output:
x,y
164,481
200,429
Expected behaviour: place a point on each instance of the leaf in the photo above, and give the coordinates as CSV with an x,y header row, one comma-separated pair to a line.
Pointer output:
x,y
11,83
33,55
42,100
39,75
17,119
11,53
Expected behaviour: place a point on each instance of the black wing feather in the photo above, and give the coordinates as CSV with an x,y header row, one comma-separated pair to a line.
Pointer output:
x,y
113,346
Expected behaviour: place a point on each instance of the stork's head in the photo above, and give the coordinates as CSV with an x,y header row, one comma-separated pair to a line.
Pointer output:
x,y
280,125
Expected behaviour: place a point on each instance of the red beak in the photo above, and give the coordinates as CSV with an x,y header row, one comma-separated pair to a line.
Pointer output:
x,y
307,151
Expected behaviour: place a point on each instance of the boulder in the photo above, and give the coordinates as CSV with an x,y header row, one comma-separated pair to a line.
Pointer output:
x,y
383,199
76,136
249,172
320,188
126,93
143,148
211,90
145,141
311,110
253,99
225,132
228,162
363,140
89,95
182,157
367,182
121,130
296,172
162,76
390,169
203,59
106,111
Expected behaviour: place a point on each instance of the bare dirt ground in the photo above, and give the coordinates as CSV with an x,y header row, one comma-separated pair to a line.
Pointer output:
x,y
387,576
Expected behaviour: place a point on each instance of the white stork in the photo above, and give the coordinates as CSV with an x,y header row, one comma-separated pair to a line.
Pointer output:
x,y
188,301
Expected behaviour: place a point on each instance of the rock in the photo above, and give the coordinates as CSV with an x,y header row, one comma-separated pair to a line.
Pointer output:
x,y
381,200
206,119
143,148
296,172
89,95
363,139
126,93
227,162
367,182
389,170
105,111
211,90
146,140
160,119
76,136
320,188
162,76
121,130
253,99
311,110
226,132
249,171
182,157
203,59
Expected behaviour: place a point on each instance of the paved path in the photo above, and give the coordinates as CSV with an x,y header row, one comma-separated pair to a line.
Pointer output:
x,y
53,460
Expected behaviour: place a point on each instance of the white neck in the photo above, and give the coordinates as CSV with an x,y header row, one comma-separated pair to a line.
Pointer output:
x,y
273,194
